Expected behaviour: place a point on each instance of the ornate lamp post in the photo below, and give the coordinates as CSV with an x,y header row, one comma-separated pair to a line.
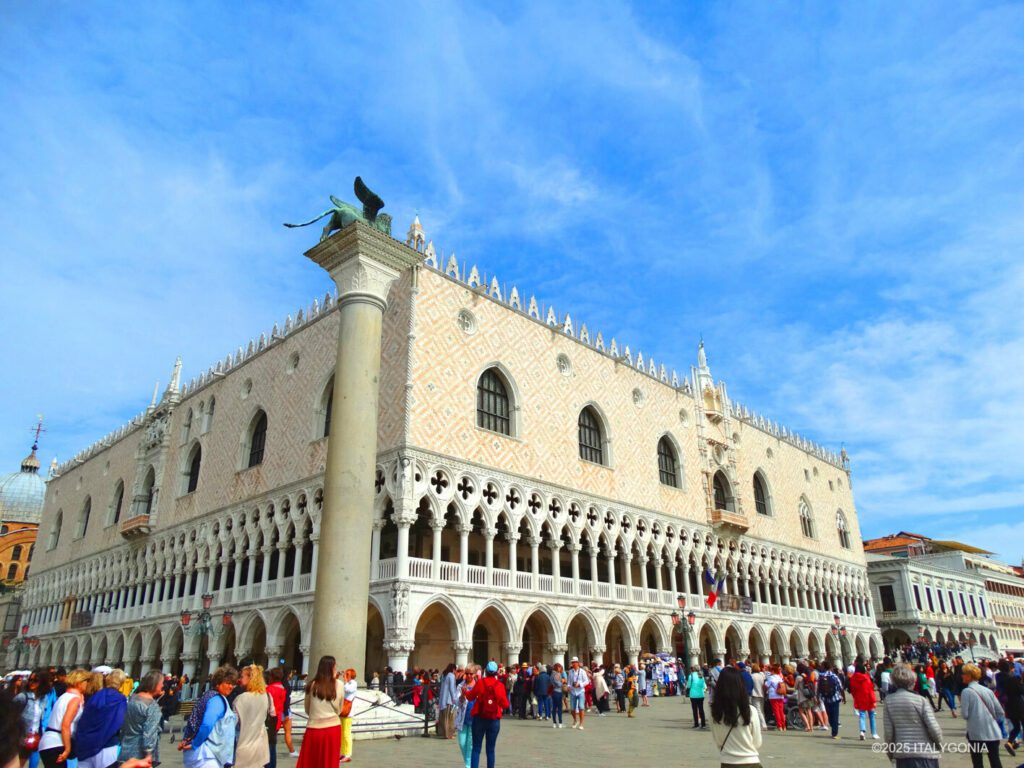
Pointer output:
x,y
684,629
22,641
970,643
839,634
204,624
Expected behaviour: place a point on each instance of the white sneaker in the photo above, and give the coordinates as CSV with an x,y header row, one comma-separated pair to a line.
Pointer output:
x,y
575,726
874,736
293,754
862,735
561,725
581,727
555,725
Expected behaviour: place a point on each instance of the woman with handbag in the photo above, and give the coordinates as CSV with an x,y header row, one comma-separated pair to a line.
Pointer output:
x,y
735,724
777,690
557,689
349,690
256,714
33,700
321,745
208,738
984,717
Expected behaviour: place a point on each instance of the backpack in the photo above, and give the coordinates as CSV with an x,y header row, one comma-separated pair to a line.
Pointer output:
x,y
826,686
489,707
221,741
807,686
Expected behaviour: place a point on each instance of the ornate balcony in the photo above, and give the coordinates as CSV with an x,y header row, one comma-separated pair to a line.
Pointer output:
x,y
135,526
723,518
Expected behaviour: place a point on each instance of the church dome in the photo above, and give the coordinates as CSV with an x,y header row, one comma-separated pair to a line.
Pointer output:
x,y
22,493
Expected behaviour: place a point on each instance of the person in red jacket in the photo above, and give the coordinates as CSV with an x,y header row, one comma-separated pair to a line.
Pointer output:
x,y
491,700
863,691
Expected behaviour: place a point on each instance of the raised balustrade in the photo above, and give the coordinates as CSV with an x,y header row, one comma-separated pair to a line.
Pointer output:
x,y
387,569
476,575
450,572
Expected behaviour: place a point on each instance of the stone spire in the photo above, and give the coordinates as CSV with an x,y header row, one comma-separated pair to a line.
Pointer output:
x,y
173,384
156,391
415,238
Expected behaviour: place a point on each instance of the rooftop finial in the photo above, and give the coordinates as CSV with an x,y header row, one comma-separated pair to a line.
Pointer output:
x,y
175,381
30,463
37,430
702,358
156,391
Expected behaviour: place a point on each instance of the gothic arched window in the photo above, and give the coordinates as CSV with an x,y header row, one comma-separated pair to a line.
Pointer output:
x,y
58,523
668,463
83,518
806,519
257,439
723,493
115,503
590,436
192,472
493,409
844,532
760,495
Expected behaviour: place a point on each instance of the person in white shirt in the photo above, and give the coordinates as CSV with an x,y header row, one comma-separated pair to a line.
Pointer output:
x,y
735,724
578,679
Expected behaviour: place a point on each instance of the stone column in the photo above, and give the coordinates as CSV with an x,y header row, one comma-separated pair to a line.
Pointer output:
x,y
435,570
593,570
464,531
462,650
188,667
611,572
513,567
273,655
398,654
643,575
556,566
304,649
597,654
512,651
765,660
403,550
489,534
212,662
534,543
633,654
363,262
558,652
375,548
627,561
672,585
658,562
574,553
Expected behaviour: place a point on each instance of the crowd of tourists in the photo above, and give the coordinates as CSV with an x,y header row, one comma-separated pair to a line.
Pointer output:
x,y
101,718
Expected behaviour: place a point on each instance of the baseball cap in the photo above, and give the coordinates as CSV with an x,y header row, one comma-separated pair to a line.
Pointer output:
x,y
492,667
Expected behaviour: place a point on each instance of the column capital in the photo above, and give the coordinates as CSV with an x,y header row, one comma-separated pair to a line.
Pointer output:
x,y
513,648
554,545
363,262
399,646
511,537
464,530
462,646
490,533
558,648
597,649
379,523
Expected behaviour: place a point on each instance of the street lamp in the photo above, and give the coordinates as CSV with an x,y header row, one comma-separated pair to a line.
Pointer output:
x,y
970,643
204,620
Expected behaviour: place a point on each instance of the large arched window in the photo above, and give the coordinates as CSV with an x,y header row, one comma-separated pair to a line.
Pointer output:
x,y
257,440
806,519
148,492
723,493
591,436
493,407
325,410
16,552
114,515
668,463
208,416
195,460
843,530
83,518
761,495
12,572
58,523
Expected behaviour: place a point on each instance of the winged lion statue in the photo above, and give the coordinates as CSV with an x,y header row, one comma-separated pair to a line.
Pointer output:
x,y
343,214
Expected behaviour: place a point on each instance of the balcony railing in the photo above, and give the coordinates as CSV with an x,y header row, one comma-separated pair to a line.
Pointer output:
x,y
724,518
135,526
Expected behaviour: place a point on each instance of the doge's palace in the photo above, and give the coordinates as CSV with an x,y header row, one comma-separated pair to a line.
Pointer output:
x,y
541,492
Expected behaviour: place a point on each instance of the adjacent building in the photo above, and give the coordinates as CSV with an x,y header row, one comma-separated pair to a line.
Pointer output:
x,y
946,592
541,492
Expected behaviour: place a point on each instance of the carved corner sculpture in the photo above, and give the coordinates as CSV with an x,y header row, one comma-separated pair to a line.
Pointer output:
x,y
343,214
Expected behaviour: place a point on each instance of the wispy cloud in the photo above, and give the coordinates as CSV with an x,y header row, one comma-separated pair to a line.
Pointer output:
x,y
830,195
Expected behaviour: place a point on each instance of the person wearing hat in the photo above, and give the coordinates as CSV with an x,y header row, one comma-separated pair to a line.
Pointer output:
x,y
491,702
578,679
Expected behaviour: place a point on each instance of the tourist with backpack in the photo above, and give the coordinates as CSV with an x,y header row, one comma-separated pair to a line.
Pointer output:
x,y
831,693
208,739
491,700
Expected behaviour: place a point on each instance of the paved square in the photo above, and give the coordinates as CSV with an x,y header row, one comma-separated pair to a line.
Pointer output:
x,y
659,735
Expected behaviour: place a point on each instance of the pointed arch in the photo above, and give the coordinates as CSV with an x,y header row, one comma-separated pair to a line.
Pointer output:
x,y
763,503
806,515
455,615
594,437
724,498
254,440
498,404
670,465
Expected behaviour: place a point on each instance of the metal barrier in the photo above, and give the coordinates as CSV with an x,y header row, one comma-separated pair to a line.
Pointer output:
x,y
364,720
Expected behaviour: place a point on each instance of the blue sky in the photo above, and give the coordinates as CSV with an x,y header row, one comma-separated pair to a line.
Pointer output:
x,y
831,194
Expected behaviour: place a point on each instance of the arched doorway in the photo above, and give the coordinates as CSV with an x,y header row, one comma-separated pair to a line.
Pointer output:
x,y
228,646
172,660
435,634
376,657
134,660
101,649
733,643
814,647
615,642
490,633
538,634
117,655
778,645
579,639
651,638
706,642
756,645
258,646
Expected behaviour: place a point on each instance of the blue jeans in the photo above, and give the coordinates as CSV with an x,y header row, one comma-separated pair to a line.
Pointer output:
x,y
832,710
489,729
871,718
577,700
555,701
544,705
950,698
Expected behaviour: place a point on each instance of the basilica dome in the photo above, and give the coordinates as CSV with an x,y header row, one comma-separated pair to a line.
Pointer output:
x,y
22,493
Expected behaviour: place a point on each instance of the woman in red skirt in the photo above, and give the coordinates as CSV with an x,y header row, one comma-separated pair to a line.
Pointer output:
x,y
324,695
